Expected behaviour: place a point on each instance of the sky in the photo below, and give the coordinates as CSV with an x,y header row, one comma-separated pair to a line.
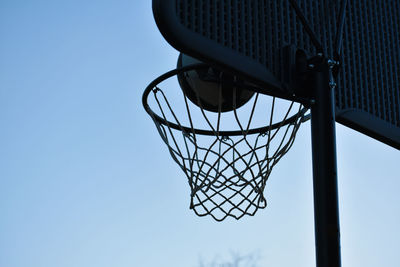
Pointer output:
x,y
85,179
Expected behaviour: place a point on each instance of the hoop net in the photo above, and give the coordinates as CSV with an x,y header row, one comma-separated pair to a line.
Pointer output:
x,y
227,157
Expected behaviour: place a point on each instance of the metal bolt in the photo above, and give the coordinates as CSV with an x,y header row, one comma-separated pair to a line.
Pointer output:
x,y
332,85
332,63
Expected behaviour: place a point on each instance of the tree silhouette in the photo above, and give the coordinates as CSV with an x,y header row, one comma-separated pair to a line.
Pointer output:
x,y
237,260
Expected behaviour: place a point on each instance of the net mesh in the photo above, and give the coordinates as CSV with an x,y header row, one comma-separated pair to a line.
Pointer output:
x,y
226,157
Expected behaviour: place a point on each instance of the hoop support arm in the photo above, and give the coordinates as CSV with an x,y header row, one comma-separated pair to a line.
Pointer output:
x,y
306,26
339,31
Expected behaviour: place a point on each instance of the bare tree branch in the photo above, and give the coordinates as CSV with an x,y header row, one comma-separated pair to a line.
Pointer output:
x,y
237,260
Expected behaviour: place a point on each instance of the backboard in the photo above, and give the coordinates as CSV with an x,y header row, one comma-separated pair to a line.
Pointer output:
x,y
248,37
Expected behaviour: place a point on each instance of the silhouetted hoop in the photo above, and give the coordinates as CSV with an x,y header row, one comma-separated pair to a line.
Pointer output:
x,y
153,85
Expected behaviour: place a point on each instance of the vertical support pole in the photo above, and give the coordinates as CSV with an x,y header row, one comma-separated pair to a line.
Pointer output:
x,y
326,209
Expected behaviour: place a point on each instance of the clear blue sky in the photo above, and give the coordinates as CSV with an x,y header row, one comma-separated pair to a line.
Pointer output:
x,y
86,181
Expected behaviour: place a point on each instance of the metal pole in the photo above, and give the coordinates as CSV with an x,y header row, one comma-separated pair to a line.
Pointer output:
x,y
326,210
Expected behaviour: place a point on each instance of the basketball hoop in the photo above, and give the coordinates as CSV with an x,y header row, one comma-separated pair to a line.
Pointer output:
x,y
227,154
